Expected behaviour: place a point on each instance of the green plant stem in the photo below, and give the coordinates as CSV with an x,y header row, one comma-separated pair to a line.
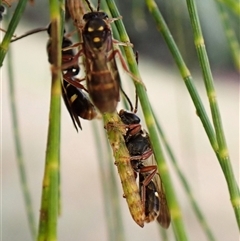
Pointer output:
x,y
110,191
11,29
233,5
19,153
164,234
115,131
175,211
186,186
234,192
50,194
184,71
222,152
230,35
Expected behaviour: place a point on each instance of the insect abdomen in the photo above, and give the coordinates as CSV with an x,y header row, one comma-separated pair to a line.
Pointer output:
x,y
104,91
79,102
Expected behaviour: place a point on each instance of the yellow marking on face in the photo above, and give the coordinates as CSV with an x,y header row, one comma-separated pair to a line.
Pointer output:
x,y
90,29
96,39
73,98
100,28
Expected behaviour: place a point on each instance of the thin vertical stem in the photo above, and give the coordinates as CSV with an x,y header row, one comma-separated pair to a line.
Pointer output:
x,y
230,35
175,211
233,5
110,191
11,29
184,71
19,152
50,194
185,184
115,131
222,152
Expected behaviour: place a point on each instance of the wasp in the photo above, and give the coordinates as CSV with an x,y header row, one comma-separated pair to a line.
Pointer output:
x,y
103,80
76,101
102,77
97,48
144,165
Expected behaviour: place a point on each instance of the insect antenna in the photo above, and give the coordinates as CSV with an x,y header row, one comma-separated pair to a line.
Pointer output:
x,y
136,102
89,5
136,95
98,6
127,98
37,30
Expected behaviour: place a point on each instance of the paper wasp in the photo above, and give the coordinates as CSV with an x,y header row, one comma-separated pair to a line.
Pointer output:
x,y
103,81
102,77
144,165
76,101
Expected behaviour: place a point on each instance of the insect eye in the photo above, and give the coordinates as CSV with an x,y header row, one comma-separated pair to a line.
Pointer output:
x,y
104,15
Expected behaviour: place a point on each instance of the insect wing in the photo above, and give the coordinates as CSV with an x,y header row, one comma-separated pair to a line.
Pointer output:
x,y
74,116
77,103
155,199
164,217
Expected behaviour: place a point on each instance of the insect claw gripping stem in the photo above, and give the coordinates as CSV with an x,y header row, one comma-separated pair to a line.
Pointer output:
x,y
126,44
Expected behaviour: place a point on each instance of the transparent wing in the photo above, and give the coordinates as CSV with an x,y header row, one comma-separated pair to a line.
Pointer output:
x,y
155,191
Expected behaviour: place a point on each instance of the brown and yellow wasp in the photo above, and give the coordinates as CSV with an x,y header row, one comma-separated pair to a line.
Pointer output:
x,y
97,48
103,80
144,165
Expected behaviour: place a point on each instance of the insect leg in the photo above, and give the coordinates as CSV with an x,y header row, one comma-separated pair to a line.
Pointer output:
x,y
144,156
152,170
126,44
74,60
124,65
74,82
